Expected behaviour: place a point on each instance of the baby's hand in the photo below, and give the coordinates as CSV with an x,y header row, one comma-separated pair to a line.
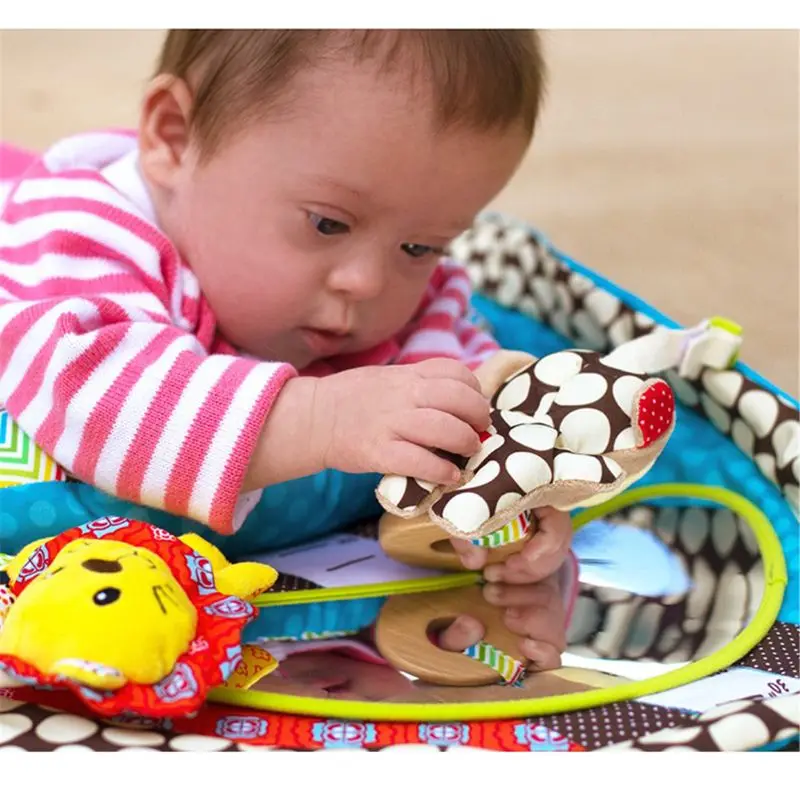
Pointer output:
x,y
541,622
527,585
390,419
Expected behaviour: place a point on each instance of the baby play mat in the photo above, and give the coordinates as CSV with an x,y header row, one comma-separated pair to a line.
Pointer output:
x,y
684,627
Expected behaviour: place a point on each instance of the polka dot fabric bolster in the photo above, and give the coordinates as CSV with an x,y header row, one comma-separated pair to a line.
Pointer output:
x,y
570,429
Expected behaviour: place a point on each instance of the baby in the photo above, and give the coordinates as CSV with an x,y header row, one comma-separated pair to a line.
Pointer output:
x,y
252,289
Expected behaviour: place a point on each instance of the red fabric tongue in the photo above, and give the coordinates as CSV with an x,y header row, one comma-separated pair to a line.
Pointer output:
x,y
656,412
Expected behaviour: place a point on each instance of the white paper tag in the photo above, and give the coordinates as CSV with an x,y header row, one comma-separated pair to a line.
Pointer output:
x,y
738,683
343,560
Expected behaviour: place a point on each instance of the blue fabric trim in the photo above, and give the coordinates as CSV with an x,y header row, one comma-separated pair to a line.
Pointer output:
x,y
314,618
783,744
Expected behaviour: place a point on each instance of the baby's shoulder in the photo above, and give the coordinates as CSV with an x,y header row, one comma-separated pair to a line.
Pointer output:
x,y
90,151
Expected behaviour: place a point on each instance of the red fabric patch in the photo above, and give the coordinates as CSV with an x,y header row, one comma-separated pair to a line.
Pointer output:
x,y
213,655
656,411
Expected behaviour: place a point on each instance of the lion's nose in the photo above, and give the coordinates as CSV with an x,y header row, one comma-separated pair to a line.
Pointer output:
x,y
101,565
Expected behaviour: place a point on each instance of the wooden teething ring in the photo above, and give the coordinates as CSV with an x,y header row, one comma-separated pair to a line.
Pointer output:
x,y
421,543
403,626
401,635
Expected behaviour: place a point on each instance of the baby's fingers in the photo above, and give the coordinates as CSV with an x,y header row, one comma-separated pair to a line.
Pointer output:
x,y
472,556
455,398
460,634
541,556
411,460
540,594
448,368
543,656
440,431
541,624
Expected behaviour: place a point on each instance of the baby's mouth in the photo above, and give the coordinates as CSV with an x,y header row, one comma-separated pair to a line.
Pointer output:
x,y
324,343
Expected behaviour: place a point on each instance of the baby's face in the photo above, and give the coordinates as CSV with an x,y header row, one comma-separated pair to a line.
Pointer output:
x,y
314,232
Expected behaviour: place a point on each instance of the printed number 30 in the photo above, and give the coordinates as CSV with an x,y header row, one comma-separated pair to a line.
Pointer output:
x,y
777,687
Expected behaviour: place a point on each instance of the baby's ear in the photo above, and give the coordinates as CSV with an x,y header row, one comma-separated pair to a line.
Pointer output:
x,y
165,130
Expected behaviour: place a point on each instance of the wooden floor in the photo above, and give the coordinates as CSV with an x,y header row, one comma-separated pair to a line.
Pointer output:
x,y
666,160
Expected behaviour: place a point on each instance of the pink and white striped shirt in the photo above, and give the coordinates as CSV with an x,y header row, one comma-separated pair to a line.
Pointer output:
x,y
110,358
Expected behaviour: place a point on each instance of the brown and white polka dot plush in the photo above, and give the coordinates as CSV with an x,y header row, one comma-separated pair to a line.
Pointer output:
x,y
571,429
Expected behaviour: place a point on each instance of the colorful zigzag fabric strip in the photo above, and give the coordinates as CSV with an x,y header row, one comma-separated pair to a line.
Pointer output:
x,y
513,532
509,669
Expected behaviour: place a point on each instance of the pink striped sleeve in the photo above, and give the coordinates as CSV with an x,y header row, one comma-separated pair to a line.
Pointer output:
x,y
442,327
97,366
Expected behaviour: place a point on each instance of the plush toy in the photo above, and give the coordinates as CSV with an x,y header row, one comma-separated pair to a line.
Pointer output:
x,y
571,429
126,615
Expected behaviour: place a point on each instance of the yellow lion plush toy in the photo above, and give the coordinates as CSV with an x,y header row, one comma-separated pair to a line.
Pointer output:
x,y
106,612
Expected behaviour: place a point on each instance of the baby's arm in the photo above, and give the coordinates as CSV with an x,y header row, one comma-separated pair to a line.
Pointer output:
x,y
96,362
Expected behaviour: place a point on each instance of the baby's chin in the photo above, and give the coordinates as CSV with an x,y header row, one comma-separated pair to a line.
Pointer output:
x,y
300,353
283,352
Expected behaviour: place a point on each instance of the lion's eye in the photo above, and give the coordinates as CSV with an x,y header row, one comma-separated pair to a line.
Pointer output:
x,y
105,597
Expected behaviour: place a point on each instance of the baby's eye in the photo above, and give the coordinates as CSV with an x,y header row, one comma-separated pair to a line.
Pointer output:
x,y
327,226
419,250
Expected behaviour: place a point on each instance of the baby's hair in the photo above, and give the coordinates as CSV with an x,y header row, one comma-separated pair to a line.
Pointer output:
x,y
483,79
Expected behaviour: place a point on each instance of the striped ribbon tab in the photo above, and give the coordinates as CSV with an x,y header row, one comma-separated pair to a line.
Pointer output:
x,y
509,669
514,531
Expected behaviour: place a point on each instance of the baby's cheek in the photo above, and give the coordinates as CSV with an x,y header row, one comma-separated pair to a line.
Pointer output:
x,y
389,313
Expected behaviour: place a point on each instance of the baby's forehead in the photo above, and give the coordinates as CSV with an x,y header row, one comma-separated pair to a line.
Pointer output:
x,y
478,78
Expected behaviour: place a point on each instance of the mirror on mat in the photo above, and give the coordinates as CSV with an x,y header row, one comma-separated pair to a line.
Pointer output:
x,y
662,586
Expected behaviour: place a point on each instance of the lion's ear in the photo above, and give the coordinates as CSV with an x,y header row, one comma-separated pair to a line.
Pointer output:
x,y
14,566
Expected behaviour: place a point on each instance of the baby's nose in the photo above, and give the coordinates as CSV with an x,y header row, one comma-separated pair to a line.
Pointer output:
x,y
101,565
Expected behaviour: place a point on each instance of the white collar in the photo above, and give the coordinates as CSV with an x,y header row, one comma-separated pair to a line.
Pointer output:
x,y
125,176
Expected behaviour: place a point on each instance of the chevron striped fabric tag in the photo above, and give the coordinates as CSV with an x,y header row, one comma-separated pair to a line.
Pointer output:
x,y
513,532
509,669
21,461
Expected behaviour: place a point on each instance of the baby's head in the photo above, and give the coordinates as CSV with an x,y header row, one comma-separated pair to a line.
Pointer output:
x,y
312,178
